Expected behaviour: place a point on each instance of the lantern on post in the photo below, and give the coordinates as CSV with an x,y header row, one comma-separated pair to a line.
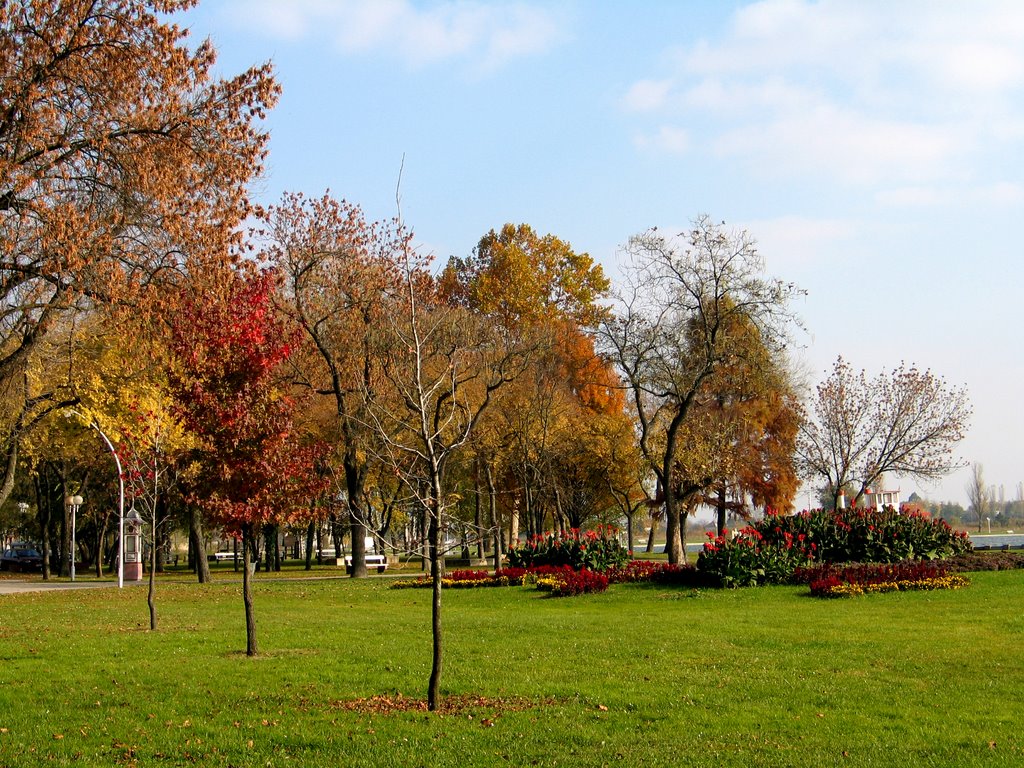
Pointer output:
x,y
133,545
74,502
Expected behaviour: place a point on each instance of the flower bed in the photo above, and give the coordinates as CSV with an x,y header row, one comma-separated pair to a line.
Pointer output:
x,y
560,581
859,579
567,583
666,574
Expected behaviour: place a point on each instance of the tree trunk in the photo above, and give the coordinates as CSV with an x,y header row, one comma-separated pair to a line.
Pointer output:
x,y
654,530
43,517
151,597
248,542
629,530
269,537
10,469
434,550
64,561
721,509
310,532
195,537
355,474
492,508
478,519
101,534
673,542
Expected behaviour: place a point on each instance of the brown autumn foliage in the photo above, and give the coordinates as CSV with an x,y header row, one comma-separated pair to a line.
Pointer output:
x,y
121,158
336,267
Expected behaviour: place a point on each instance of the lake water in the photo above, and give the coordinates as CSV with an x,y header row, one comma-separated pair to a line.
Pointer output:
x,y
998,540
992,541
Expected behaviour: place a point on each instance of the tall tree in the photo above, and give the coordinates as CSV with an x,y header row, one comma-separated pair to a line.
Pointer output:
x,y
669,335
250,471
521,278
544,295
337,268
740,439
119,152
906,422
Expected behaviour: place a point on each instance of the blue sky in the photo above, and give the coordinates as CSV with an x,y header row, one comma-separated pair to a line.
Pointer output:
x,y
874,149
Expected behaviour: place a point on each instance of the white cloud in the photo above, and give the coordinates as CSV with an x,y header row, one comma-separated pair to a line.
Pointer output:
x,y
646,95
489,34
897,95
853,147
996,194
917,196
794,241
671,140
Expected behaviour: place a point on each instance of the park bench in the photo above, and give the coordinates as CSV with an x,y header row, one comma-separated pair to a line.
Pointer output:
x,y
380,562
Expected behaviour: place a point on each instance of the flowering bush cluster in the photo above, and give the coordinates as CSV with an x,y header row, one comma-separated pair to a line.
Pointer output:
x,y
596,550
859,579
869,535
771,550
749,558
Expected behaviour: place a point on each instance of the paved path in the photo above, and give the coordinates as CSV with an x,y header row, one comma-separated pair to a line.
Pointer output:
x,y
14,586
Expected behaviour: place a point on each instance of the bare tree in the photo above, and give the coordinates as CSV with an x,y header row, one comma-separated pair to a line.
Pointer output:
x,y
905,422
444,365
977,494
668,336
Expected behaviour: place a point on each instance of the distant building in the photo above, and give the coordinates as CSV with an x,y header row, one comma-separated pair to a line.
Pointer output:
x,y
879,499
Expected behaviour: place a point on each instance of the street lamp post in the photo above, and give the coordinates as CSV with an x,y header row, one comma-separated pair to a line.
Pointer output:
x,y
120,503
75,502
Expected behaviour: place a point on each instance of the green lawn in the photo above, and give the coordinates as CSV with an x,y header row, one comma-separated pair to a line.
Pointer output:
x,y
640,675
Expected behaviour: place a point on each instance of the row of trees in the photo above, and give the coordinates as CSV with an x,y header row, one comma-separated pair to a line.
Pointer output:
x,y
312,365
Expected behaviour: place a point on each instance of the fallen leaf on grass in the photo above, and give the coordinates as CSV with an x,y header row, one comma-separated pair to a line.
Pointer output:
x,y
602,707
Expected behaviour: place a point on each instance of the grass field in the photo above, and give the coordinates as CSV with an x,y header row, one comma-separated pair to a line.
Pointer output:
x,y
640,675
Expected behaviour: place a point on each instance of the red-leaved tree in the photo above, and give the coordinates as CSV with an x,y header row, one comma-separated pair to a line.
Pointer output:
x,y
251,470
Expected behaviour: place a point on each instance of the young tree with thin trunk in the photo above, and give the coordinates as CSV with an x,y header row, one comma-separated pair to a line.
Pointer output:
x,y
444,366
227,345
